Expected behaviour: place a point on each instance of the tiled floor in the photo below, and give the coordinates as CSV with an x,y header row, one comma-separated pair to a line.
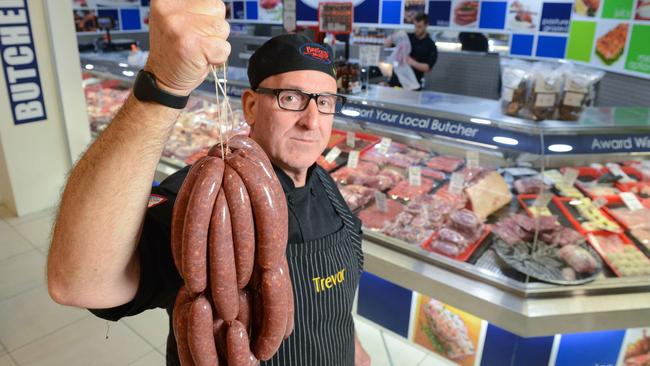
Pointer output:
x,y
36,331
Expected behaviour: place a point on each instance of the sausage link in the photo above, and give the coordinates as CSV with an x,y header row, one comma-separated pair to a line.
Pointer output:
x,y
200,333
289,294
243,228
220,329
239,142
180,207
197,222
245,308
223,274
239,351
274,307
269,207
179,323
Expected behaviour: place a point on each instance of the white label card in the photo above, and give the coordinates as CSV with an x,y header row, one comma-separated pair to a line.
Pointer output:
x,y
573,99
508,94
332,155
631,201
380,201
384,145
545,100
350,139
456,183
353,159
570,176
472,159
415,176
543,199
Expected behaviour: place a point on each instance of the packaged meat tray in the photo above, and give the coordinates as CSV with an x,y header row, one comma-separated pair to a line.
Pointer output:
x,y
336,137
642,238
405,191
357,196
369,175
530,185
631,219
362,142
586,216
640,188
373,218
445,163
442,244
560,254
398,155
620,254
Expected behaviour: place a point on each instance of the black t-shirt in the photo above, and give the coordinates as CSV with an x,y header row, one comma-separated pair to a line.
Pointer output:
x,y
422,50
311,216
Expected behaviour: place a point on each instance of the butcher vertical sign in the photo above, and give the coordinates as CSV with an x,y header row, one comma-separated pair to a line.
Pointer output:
x,y
19,63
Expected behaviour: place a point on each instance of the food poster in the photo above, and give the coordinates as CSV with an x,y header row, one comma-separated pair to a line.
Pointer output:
x,y
445,330
617,9
270,10
464,13
108,3
610,44
636,348
412,8
586,8
523,15
85,20
638,58
144,17
642,10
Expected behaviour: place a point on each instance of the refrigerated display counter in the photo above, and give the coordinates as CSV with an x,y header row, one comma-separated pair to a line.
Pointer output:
x,y
459,134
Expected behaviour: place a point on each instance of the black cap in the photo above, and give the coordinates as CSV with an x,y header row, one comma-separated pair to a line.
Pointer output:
x,y
289,52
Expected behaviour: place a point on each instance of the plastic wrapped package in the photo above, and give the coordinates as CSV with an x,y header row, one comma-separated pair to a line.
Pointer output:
x,y
515,77
579,88
544,91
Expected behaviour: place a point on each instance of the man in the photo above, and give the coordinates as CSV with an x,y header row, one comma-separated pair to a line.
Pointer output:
x,y
424,52
110,250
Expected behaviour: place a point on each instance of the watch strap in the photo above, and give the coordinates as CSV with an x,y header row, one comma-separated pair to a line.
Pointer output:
x,y
145,89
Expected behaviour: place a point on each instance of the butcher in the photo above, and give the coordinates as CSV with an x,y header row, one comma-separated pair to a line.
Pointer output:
x,y
110,250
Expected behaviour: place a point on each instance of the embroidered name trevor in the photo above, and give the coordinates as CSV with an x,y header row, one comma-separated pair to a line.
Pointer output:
x,y
326,283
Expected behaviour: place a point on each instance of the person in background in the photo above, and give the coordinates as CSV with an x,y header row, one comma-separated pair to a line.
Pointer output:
x,y
472,41
424,52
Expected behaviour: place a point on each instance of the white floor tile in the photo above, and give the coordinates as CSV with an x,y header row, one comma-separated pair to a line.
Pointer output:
x,y
6,361
150,359
11,242
84,343
152,325
31,315
371,341
21,272
13,220
37,231
401,352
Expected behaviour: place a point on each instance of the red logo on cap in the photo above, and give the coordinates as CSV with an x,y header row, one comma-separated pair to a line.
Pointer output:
x,y
316,52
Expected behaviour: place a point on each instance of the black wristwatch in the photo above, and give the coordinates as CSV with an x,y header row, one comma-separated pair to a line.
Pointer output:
x,y
146,90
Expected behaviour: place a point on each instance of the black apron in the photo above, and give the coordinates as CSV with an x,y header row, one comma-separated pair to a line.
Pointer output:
x,y
325,275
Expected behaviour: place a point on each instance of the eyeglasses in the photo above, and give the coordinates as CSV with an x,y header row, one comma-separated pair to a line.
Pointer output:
x,y
298,100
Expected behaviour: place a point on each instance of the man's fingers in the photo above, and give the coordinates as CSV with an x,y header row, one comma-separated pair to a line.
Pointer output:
x,y
211,26
216,50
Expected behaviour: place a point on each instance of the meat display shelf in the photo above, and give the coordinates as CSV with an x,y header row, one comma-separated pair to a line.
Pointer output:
x,y
524,307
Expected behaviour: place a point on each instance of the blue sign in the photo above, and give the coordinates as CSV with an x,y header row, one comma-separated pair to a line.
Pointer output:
x,y
556,17
448,128
19,63
588,349
597,144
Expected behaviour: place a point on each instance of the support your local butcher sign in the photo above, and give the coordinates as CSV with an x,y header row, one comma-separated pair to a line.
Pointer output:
x,y
19,63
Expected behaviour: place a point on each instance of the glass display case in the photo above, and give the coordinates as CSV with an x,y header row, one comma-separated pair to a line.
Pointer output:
x,y
538,227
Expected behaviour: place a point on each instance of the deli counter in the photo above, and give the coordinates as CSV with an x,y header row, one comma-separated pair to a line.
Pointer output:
x,y
402,158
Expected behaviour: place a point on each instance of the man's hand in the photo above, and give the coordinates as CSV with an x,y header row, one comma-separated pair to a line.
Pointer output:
x,y
186,36
361,357
420,66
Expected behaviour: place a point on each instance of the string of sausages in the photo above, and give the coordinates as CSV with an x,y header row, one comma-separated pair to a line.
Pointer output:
x,y
229,236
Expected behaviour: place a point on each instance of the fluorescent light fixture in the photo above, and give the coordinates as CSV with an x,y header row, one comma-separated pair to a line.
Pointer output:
x,y
481,121
350,112
560,148
122,64
128,73
505,140
89,66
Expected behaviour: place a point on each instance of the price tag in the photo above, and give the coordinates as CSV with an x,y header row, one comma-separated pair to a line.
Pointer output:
x,y
369,55
616,170
631,201
570,177
353,159
384,145
600,202
332,155
456,183
381,202
472,159
543,199
350,139
415,176
646,164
